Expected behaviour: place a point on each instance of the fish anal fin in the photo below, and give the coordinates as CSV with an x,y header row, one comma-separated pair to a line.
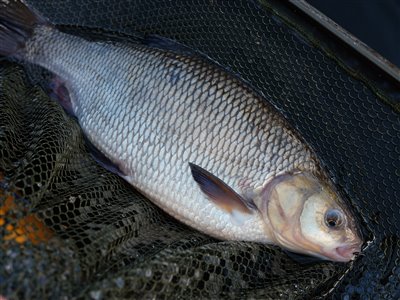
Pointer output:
x,y
219,192
59,92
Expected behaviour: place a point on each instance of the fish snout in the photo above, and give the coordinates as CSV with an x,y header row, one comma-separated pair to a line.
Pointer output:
x,y
347,252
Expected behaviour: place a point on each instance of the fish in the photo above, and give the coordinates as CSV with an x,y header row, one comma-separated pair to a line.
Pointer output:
x,y
197,140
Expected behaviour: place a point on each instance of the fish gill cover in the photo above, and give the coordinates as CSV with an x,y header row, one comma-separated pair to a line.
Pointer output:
x,y
71,229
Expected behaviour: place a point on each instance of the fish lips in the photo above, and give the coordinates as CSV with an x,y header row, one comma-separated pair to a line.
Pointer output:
x,y
343,253
348,252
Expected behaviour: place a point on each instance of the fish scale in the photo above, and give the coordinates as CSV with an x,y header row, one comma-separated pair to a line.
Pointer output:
x,y
196,140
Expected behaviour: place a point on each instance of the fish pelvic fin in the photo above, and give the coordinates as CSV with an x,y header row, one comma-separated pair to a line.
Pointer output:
x,y
220,193
17,24
103,160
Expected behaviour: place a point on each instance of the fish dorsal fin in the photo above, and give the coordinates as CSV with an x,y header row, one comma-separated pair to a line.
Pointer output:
x,y
94,34
151,40
220,193
164,43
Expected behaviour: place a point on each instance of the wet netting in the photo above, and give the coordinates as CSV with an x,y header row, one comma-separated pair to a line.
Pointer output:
x,y
70,229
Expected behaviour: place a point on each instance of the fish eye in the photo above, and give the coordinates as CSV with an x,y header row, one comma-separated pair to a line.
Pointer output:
x,y
333,218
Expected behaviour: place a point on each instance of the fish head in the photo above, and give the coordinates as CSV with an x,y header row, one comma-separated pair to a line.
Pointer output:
x,y
307,216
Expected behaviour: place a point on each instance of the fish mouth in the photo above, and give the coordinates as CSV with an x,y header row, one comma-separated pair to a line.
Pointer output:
x,y
346,253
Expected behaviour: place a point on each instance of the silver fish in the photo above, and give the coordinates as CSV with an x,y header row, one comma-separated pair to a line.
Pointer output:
x,y
196,140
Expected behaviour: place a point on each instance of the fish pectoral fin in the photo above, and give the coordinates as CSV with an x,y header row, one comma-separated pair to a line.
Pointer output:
x,y
220,193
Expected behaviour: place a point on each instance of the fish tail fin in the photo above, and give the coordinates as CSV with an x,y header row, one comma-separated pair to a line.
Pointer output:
x,y
17,24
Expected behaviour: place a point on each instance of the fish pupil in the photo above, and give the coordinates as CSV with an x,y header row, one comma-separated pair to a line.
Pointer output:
x,y
331,223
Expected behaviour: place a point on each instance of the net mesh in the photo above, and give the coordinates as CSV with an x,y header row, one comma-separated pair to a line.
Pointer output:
x,y
71,229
